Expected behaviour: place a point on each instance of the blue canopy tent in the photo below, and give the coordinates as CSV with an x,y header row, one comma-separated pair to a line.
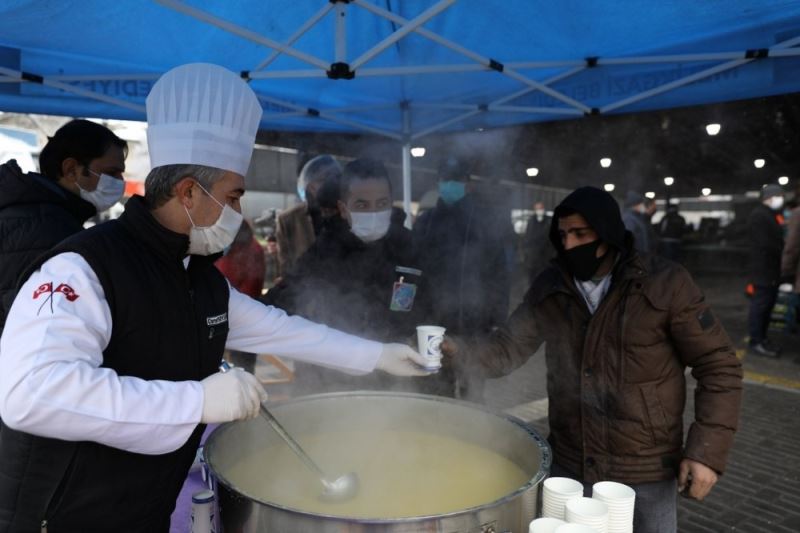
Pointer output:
x,y
402,69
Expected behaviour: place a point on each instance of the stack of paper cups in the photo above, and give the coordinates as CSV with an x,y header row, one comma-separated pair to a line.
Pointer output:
x,y
557,491
574,528
545,525
620,500
588,512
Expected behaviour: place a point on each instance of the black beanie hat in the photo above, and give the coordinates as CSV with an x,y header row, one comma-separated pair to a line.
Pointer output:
x,y
601,212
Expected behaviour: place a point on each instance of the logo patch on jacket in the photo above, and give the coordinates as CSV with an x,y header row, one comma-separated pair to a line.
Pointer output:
x,y
216,320
47,288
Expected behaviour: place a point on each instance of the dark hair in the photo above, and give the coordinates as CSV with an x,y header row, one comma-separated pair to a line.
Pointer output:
x,y
160,182
80,139
362,169
272,238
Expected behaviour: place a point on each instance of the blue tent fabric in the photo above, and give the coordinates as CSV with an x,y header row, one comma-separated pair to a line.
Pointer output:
x,y
551,60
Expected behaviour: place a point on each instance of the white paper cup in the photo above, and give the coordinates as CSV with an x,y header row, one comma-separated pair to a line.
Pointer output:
x,y
610,491
429,339
545,525
557,491
589,512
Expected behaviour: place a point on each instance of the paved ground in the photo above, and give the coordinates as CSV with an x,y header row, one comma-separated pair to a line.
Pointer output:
x,y
761,490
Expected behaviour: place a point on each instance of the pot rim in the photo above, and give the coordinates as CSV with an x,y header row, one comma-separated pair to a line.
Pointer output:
x,y
544,448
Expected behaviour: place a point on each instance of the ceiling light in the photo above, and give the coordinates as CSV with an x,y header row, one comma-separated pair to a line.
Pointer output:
x,y
783,180
759,163
605,162
531,172
608,187
706,191
713,129
650,194
417,151
669,180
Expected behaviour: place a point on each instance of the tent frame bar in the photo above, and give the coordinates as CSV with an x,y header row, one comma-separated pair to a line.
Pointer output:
x,y
405,29
302,30
241,32
693,77
66,87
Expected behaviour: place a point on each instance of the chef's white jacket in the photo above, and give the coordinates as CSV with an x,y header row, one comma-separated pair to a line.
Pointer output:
x,y
51,383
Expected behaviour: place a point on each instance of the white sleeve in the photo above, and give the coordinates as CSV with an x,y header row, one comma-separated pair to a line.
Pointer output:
x,y
259,328
51,383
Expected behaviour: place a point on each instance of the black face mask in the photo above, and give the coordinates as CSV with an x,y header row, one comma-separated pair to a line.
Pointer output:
x,y
582,261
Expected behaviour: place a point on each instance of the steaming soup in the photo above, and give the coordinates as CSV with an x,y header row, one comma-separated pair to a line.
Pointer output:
x,y
402,474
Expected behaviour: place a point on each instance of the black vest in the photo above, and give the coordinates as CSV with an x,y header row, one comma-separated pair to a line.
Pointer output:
x,y
169,323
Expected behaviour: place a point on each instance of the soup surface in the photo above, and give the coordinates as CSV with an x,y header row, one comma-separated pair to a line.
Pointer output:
x,y
402,474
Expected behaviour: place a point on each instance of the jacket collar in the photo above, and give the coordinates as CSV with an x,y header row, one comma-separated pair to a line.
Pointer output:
x,y
139,221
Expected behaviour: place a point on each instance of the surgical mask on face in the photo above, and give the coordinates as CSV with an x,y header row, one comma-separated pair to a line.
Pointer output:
x,y
207,240
451,191
582,261
108,191
776,203
372,226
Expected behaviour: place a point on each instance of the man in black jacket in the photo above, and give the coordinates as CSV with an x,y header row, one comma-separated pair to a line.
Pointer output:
x,y
359,276
766,247
461,249
37,211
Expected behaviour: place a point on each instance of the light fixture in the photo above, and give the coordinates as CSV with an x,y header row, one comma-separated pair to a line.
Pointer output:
x,y
783,180
605,162
650,194
532,171
608,187
713,129
706,191
669,180
418,151
759,163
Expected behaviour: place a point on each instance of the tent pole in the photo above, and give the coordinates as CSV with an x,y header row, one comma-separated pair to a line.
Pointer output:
x,y
407,164
341,33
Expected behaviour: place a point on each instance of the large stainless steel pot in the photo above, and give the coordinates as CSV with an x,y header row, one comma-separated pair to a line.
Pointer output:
x,y
353,411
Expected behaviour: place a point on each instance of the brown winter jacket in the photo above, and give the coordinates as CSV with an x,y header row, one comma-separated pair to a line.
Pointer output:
x,y
615,379
295,234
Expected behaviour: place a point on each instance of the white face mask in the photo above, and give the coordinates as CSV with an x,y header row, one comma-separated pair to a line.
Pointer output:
x,y
212,239
371,226
108,191
776,202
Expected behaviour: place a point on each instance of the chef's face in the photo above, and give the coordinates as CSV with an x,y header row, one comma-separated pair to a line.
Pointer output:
x,y
227,190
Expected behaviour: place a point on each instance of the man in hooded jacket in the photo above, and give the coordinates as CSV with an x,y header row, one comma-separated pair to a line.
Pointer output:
x,y
620,329
81,174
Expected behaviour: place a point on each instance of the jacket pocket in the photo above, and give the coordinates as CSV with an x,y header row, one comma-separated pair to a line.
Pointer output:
x,y
655,418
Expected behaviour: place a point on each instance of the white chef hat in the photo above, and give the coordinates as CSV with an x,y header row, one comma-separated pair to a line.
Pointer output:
x,y
202,114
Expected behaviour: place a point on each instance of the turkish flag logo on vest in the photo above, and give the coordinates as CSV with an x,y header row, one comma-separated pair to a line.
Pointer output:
x,y
70,294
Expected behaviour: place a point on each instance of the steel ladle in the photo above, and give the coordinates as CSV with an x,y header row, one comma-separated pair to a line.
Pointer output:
x,y
340,489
